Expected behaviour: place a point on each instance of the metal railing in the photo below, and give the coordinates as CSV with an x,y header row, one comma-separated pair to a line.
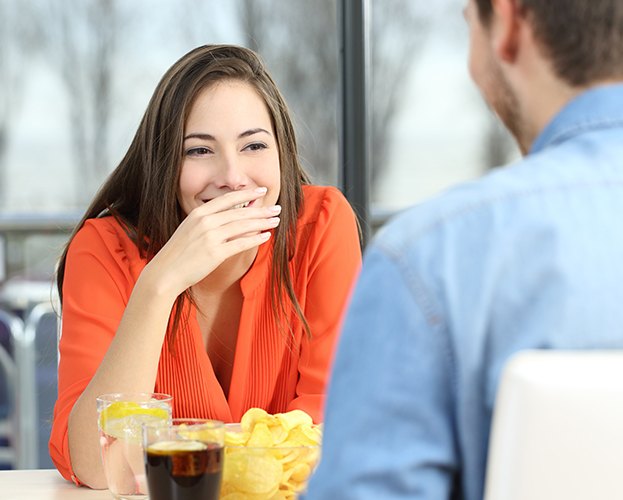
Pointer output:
x,y
8,454
17,428
22,426
18,229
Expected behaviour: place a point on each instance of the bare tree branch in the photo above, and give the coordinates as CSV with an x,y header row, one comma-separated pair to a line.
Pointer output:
x,y
255,18
102,17
84,37
196,21
20,39
399,28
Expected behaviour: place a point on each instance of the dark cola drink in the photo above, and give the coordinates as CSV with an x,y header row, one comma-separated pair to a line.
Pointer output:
x,y
184,470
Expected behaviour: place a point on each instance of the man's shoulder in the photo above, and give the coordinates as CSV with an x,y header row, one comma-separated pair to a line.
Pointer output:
x,y
513,197
474,199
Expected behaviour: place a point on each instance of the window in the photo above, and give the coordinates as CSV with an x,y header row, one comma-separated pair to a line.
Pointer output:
x,y
71,112
430,127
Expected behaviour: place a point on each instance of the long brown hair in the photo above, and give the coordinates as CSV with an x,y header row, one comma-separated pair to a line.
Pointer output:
x,y
142,191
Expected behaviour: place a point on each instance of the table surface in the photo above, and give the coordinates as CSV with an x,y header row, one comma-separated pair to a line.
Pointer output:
x,y
44,485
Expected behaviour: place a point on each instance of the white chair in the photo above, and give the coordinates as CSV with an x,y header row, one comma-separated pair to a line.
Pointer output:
x,y
557,428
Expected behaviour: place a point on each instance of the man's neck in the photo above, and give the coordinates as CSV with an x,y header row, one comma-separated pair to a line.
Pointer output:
x,y
542,95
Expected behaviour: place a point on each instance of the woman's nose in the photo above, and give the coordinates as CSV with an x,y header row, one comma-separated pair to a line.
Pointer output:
x,y
231,174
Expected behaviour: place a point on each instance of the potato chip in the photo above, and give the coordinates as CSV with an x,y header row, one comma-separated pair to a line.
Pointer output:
x,y
234,495
251,416
300,472
252,472
281,495
288,455
293,419
261,437
236,438
312,432
280,434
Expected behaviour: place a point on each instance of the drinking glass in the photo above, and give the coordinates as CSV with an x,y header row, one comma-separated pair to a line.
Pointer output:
x,y
120,420
184,459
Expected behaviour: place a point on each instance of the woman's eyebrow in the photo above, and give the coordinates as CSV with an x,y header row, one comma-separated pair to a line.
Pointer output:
x,y
209,137
197,135
253,131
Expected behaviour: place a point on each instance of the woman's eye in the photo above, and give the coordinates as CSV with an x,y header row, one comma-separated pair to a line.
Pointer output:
x,y
201,151
256,146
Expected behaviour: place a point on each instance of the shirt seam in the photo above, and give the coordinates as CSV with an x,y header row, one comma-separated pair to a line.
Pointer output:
x,y
491,201
425,302
590,125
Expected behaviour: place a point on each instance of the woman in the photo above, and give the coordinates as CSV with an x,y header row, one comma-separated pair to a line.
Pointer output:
x,y
206,267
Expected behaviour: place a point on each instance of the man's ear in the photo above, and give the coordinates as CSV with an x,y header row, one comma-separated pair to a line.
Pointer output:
x,y
508,23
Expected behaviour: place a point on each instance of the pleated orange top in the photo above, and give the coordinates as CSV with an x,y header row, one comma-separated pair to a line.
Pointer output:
x,y
269,371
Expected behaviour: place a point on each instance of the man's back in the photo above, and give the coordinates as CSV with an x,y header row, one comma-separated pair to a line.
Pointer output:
x,y
531,256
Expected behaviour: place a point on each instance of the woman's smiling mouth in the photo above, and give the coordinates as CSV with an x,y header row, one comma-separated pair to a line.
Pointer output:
x,y
240,205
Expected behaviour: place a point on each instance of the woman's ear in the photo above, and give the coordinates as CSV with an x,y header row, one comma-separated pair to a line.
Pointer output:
x,y
507,23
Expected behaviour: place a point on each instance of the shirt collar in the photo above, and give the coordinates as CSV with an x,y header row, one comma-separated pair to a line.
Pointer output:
x,y
597,108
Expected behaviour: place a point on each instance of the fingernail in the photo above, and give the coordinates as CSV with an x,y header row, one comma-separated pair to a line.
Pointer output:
x,y
261,190
274,221
275,209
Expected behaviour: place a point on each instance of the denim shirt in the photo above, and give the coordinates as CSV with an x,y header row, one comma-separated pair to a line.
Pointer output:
x,y
528,256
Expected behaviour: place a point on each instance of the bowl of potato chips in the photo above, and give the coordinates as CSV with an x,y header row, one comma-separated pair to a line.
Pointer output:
x,y
270,457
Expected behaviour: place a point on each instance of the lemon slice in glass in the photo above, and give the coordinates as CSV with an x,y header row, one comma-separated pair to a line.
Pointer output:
x,y
123,419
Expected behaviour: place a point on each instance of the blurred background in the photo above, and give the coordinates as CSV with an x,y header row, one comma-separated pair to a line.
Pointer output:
x,y
76,76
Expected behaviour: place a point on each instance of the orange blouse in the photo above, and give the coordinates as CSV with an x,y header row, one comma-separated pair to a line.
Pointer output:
x,y
269,371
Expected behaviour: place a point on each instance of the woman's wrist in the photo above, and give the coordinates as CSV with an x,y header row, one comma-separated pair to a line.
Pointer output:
x,y
153,284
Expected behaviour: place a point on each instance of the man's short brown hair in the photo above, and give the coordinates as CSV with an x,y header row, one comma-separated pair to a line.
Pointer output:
x,y
583,38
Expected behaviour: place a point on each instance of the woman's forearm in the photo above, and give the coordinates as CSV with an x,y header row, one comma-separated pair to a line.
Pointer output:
x,y
130,365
